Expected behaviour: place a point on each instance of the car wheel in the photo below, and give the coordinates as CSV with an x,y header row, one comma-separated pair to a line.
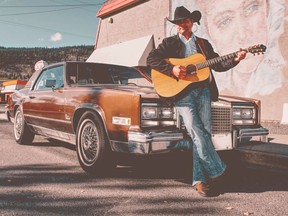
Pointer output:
x,y
22,133
93,149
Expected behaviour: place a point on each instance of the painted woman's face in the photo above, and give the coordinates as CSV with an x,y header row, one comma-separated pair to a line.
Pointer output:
x,y
238,24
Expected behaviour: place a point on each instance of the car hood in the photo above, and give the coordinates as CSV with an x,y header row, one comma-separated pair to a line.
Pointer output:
x,y
149,92
144,91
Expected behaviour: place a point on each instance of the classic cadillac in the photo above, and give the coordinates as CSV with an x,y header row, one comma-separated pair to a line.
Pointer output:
x,y
106,109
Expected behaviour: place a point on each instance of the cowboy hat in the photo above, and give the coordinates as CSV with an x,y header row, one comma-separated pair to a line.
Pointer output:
x,y
182,13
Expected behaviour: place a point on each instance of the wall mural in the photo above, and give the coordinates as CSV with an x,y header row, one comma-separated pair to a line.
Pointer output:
x,y
230,25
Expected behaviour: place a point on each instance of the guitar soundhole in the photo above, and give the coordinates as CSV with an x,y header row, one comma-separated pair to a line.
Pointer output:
x,y
191,69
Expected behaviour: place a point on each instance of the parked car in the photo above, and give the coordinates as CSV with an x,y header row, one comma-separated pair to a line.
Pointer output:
x,y
106,109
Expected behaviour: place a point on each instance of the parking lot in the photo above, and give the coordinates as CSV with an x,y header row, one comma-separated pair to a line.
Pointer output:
x,y
45,178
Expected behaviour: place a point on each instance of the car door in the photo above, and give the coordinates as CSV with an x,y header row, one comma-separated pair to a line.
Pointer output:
x,y
45,107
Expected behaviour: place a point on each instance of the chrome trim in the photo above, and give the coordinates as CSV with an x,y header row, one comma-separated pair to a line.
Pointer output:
x,y
243,107
130,148
261,132
249,132
140,142
234,139
45,118
59,135
134,136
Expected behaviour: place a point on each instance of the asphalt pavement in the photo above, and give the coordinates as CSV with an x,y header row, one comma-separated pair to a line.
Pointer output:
x,y
46,179
273,154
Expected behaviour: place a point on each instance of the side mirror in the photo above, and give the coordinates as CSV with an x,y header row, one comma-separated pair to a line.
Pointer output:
x,y
50,83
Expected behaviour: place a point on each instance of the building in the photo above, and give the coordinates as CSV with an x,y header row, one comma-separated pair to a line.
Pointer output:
x,y
131,25
129,29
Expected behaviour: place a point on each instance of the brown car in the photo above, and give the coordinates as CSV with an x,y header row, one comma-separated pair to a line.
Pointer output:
x,y
105,109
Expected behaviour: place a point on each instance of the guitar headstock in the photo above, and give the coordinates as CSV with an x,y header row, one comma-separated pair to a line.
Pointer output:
x,y
257,49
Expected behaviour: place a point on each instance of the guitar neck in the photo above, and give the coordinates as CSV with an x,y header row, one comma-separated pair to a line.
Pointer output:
x,y
216,60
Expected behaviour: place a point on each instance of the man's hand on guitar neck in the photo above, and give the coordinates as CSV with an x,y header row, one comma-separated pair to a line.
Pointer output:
x,y
240,55
179,71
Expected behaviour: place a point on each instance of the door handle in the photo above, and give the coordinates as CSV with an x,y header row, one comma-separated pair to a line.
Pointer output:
x,y
31,97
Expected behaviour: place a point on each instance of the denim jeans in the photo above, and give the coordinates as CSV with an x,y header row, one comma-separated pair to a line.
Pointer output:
x,y
195,109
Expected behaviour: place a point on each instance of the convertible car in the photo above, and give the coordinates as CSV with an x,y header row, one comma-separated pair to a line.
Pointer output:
x,y
107,109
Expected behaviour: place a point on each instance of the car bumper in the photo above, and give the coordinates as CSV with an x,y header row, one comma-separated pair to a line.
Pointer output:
x,y
165,141
148,142
259,134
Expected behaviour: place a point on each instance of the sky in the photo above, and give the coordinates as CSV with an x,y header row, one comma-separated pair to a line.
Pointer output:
x,y
48,23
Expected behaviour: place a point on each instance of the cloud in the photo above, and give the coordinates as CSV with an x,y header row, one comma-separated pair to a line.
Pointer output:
x,y
56,37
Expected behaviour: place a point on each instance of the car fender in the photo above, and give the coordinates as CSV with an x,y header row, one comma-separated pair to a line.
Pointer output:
x,y
81,109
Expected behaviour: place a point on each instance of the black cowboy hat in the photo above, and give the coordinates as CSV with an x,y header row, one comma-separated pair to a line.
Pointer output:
x,y
182,13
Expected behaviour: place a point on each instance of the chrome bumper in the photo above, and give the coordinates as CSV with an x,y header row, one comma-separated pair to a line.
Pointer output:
x,y
260,132
148,142
244,135
155,142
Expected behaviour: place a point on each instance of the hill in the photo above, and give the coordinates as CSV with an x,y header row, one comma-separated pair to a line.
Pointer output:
x,y
18,63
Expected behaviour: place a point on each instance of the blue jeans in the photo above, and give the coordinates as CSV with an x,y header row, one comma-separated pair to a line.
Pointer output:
x,y
195,109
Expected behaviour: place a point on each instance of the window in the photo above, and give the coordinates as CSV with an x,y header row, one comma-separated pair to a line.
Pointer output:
x,y
94,73
55,73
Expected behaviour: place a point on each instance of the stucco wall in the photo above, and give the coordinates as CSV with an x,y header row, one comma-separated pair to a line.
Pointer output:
x,y
141,20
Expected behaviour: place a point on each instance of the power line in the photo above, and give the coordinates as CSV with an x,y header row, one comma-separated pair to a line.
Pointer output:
x,y
54,7
67,5
70,6
37,12
86,9
42,28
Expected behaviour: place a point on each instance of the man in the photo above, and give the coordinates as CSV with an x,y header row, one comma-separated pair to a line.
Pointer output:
x,y
194,103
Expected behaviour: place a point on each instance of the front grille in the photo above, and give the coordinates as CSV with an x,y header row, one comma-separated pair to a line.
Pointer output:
x,y
221,120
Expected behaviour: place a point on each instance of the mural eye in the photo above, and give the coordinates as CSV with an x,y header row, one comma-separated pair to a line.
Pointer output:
x,y
251,8
224,23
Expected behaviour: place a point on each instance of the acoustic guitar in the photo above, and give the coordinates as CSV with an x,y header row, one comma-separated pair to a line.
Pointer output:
x,y
197,68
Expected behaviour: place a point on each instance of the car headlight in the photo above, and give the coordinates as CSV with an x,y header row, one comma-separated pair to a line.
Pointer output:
x,y
167,113
247,113
243,115
149,112
152,114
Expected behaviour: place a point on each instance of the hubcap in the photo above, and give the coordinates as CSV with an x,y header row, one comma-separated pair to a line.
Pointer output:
x,y
18,125
89,142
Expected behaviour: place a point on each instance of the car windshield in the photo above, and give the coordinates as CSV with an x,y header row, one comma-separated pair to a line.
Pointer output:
x,y
94,73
